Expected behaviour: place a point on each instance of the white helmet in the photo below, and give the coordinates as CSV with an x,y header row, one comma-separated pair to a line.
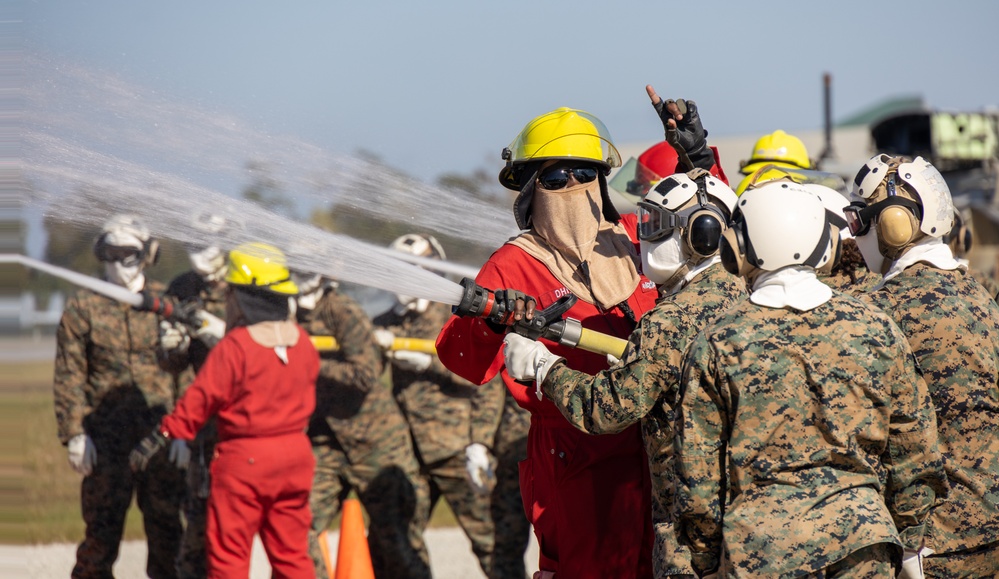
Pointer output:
x,y
834,202
776,225
418,245
207,258
126,231
697,203
903,198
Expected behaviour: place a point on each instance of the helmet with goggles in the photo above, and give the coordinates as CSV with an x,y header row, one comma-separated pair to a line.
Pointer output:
x,y
577,138
126,239
776,225
697,204
904,200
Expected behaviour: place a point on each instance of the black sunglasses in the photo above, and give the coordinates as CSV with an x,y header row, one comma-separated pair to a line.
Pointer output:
x,y
556,177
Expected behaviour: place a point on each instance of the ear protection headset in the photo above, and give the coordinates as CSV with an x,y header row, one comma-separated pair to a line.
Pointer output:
x,y
960,238
897,223
734,249
701,229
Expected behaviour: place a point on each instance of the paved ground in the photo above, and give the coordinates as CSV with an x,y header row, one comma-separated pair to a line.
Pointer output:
x,y
450,555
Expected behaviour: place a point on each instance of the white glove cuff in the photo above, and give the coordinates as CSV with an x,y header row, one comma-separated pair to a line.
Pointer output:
x,y
541,370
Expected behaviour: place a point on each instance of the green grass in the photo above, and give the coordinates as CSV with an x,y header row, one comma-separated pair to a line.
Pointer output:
x,y
39,492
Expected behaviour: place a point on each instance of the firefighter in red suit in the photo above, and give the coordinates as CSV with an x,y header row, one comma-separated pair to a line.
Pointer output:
x,y
587,496
259,381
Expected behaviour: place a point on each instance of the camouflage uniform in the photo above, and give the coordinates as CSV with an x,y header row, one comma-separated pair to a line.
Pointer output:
x,y
513,530
109,384
445,414
803,437
988,282
953,327
644,388
361,442
861,281
192,562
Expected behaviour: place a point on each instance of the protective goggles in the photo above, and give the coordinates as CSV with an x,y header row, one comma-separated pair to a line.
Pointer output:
x,y
860,216
557,177
127,256
655,222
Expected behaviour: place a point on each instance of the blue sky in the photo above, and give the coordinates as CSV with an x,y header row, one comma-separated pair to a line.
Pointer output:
x,y
436,87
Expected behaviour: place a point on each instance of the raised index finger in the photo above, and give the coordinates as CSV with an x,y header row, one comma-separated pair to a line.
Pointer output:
x,y
652,94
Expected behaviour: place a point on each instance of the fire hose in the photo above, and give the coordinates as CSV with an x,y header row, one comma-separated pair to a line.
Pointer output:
x,y
479,302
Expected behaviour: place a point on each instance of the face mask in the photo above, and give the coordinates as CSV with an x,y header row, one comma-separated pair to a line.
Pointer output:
x,y
868,245
661,259
568,218
308,301
209,263
129,277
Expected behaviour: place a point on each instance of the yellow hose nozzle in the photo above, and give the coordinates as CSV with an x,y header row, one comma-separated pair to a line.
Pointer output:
x,y
329,344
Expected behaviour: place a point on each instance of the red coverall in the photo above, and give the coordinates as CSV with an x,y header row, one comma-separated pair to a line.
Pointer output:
x,y
588,497
263,465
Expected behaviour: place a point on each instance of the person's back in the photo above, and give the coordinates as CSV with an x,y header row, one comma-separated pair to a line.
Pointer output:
x,y
904,211
805,441
814,408
952,324
361,441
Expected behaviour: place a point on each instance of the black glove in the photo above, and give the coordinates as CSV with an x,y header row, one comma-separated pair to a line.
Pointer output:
x,y
139,458
689,138
506,305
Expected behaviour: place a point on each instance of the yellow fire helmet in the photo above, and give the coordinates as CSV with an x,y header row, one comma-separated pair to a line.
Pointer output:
x,y
774,172
777,148
262,266
560,134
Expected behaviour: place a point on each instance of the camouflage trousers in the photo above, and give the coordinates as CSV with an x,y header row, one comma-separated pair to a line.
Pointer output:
x,y
448,480
395,498
512,529
192,561
105,497
978,562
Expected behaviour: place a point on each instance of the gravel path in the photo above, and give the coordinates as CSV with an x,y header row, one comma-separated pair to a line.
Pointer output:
x,y
450,555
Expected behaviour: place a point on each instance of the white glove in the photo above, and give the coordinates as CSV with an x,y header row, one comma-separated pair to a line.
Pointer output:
x,y
528,360
210,328
173,338
912,563
411,361
479,468
180,453
82,454
384,338
613,360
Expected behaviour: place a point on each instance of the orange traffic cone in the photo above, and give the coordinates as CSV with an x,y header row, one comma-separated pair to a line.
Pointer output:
x,y
353,560
324,548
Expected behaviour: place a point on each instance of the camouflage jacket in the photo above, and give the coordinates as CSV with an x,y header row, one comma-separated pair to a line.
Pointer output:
x,y
353,408
953,328
446,413
187,287
987,281
644,386
802,437
108,380
866,282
